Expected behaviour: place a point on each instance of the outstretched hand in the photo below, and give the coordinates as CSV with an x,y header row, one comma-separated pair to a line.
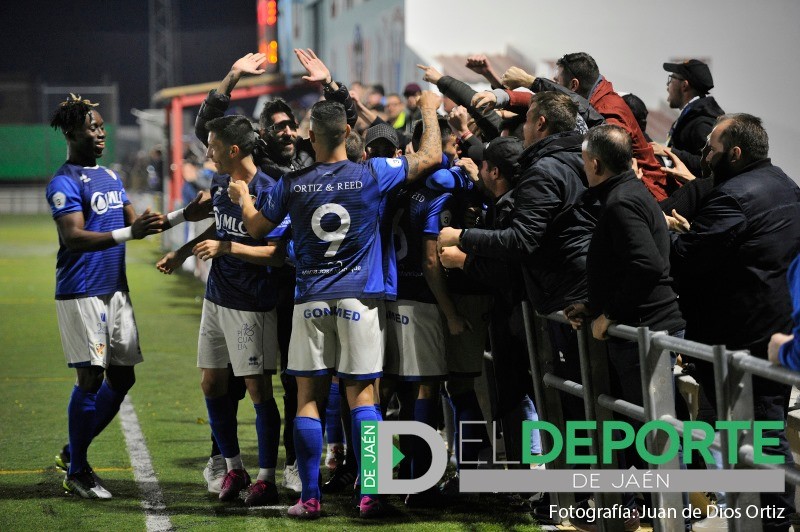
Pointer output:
x,y
146,224
249,64
679,170
199,208
317,71
677,223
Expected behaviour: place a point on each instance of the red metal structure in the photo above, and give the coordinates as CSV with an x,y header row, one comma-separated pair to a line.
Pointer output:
x,y
179,98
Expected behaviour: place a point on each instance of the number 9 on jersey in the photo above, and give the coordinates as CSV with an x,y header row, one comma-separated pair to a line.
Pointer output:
x,y
334,237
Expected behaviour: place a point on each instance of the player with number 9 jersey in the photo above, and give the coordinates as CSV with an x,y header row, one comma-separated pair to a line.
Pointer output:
x,y
335,210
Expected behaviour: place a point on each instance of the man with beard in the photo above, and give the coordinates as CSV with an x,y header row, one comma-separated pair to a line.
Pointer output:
x,y
281,151
734,256
278,151
687,89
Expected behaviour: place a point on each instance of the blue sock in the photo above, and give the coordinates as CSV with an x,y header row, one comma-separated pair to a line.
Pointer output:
x,y
308,445
357,415
466,408
268,430
333,423
107,406
378,412
424,412
80,420
222,418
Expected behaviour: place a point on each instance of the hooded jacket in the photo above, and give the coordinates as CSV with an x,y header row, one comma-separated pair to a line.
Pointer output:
x,y
549,228
690,131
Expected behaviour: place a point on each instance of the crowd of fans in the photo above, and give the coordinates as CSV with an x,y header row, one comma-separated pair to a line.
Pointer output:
x,y
538,190
552,192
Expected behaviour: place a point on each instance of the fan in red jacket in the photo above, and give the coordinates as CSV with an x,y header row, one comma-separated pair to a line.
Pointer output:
x,y
578,76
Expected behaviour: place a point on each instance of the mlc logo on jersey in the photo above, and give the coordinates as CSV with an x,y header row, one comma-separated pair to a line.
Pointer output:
x,y
102,201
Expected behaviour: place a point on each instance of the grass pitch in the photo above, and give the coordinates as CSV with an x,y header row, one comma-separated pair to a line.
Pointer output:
x,y
35,385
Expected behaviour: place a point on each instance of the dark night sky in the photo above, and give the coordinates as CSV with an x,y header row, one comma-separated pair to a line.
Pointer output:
x,y
89,42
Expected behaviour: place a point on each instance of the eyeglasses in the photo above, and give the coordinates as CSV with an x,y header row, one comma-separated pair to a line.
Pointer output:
x,y
676,78
280,126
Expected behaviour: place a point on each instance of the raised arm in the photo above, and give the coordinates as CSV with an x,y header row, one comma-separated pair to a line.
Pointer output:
x,y
462,94
430,147
215,105
480,64
337,92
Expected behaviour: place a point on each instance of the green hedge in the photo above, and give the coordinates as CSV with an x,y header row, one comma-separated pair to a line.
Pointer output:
x,y
34,152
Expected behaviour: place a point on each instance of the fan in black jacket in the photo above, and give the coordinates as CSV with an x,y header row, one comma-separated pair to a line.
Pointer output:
x,y
731,266
542,228
279,150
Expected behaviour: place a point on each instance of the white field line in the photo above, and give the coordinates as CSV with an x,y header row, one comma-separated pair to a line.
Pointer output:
x,y
155,509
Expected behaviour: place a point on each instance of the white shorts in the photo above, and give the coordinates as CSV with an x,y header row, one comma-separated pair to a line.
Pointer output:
x,y
99,331
465,351
415,344
345,336
248,340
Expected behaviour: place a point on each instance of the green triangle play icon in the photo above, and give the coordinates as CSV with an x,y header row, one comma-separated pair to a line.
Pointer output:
x,y
397,456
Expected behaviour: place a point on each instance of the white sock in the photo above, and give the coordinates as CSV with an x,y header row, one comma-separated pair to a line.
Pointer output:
x,y
235,462
267,474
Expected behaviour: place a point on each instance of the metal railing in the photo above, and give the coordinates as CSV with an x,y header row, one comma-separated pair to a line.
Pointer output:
x,y
733,371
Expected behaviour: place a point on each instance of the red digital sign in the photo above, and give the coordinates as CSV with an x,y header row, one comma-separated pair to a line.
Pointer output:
x,y
267,17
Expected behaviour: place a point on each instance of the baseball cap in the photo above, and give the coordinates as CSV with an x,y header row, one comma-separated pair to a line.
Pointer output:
x,y
382,131
695,72
502,152
411,88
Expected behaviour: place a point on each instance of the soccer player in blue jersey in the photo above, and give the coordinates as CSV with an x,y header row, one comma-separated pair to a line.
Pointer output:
x,y
98,331
415,350
335,207
239,321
